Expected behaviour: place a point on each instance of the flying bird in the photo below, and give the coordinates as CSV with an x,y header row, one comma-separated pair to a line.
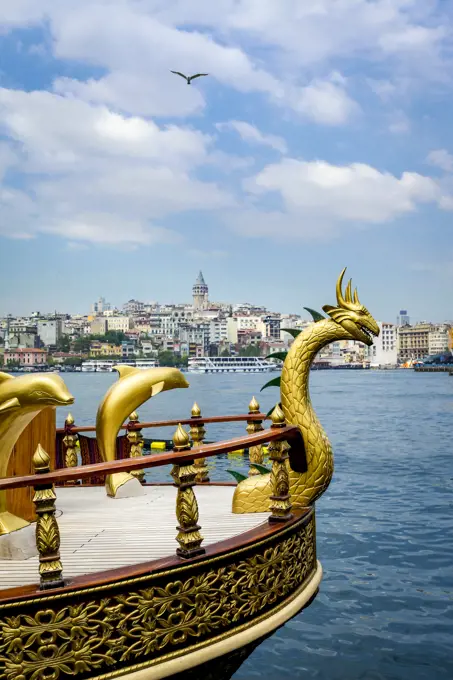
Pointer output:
x,y
189,78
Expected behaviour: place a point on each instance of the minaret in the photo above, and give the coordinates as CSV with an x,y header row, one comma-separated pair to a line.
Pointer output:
x,y
200,293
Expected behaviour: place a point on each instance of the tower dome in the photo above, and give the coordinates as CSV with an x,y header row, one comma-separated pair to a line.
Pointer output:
x,y
200,293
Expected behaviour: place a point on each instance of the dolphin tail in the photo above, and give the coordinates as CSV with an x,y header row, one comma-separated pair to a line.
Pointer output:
x,y
119,479
10,523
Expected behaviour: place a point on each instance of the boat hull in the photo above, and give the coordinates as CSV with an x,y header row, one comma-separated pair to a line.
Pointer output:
x,y
168,619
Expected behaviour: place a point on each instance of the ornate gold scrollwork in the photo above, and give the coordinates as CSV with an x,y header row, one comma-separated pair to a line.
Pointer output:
x,y
110,630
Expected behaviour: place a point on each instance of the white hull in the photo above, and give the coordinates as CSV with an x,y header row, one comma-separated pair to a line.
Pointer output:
x,y
230,365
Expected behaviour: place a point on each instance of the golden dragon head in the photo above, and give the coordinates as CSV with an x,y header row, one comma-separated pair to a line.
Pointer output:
x,y
352,315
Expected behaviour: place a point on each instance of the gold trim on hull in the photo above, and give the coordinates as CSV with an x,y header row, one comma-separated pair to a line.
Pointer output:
x,y
261,628
132,624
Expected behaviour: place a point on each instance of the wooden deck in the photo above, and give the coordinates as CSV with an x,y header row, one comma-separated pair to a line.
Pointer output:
x,y
99,533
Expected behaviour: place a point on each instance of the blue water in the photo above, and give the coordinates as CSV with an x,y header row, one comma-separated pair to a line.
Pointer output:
x,y
384,527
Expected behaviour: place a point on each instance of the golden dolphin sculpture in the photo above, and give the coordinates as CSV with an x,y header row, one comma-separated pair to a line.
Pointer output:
x,y
21,399
134,387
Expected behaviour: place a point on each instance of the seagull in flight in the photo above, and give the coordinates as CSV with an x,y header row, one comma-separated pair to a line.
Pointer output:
x,y
189,78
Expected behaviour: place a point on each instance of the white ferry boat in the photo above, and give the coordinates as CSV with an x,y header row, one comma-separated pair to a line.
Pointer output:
x,y
106,365
230,365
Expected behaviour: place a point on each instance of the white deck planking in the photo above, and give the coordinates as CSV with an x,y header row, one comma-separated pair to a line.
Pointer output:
x,y
99,533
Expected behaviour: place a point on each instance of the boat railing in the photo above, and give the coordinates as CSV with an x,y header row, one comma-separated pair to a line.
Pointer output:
x,y
72,449
282,439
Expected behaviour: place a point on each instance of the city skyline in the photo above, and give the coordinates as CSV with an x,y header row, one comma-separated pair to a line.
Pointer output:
x,y
403,314
319,140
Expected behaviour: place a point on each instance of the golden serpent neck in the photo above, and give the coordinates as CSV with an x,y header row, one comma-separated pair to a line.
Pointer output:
x,y
296,369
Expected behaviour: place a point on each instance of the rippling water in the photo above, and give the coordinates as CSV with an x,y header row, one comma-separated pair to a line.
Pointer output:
x,y
384,527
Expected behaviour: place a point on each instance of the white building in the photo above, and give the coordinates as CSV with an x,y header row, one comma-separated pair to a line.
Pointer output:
x,y
218,330
438,340
384,350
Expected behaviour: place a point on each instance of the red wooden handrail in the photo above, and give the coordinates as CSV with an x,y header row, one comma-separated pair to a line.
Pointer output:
x,y
170,423
289,433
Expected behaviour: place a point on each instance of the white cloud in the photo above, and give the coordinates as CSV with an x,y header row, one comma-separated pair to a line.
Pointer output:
x,y
94,175
318,198
324,101
250,133
441,158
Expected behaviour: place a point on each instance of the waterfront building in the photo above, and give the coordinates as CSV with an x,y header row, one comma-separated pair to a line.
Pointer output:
x,y
384,351
200,293
438,339
25,357
413,341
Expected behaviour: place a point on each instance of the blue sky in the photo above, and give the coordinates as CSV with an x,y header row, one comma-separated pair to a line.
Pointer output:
x,y
321,138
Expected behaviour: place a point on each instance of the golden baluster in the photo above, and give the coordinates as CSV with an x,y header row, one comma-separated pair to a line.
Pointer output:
x,y
189,537
197,433
278,454
47,532
255,452
135,439
70,450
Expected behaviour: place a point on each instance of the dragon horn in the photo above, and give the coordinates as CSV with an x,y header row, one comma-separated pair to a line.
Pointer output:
x,y
340,300
356,297
347,295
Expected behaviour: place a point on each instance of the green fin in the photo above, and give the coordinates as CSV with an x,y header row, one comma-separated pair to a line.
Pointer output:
x,y
292,331
5,376
261,468
277,355
10,404
315,315
275,382
237,475
124,371
158,387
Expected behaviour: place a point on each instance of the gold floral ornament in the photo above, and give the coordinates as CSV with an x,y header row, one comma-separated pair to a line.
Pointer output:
x,y
188,537
47,532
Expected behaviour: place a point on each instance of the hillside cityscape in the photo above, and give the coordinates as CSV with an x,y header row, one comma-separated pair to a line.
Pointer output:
x,y
172,334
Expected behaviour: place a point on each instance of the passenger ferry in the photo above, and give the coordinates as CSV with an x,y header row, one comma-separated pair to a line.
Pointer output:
x,y
106,365
230,365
